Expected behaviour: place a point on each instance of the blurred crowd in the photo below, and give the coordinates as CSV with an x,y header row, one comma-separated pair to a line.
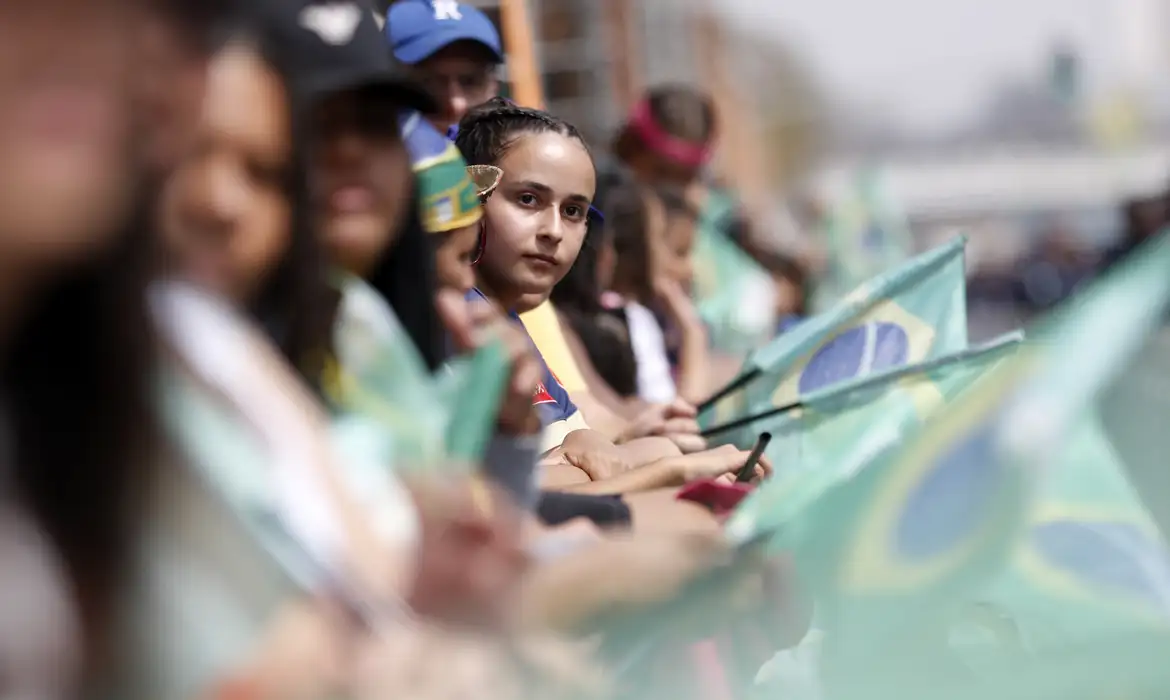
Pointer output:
x,y
1061,261
330,373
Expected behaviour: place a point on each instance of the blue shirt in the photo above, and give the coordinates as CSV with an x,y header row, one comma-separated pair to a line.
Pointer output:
x,y
550,398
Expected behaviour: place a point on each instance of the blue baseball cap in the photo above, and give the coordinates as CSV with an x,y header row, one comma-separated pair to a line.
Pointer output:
x,y
417,29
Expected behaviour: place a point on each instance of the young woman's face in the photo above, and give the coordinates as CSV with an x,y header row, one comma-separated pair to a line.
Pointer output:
x,y
678,242
66,178
361,178
537,216
226,215
455,255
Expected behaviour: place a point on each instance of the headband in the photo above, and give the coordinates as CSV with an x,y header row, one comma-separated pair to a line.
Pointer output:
x,y
692,155
594,213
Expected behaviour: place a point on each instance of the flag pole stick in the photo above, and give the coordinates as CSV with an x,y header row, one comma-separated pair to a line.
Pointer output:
x,y
523,72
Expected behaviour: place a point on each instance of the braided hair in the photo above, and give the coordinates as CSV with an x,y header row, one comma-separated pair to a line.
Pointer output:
x,y
488,131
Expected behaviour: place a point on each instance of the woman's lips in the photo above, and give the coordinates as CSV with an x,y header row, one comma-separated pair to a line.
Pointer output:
x,y
351,199
541,262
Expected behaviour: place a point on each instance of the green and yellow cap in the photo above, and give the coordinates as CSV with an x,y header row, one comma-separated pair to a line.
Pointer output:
x,y
451,192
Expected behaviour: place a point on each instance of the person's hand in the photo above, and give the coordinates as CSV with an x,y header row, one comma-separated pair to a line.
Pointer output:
x,y
550,543
675,302
645,570
716,463
618,574
471,552
677,418
301,655
429,662
590,452
473,324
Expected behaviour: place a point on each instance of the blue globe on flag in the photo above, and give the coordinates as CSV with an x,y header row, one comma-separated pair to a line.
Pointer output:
x,y
858,352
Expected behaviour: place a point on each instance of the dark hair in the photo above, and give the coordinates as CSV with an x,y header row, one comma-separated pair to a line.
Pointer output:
x,y
489,130
406,278
681,111
602,332
195,20
296,305
675,203
578,297
79,379
79,383
628,224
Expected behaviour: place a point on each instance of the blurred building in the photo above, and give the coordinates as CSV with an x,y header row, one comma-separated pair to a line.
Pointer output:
x,y
596,55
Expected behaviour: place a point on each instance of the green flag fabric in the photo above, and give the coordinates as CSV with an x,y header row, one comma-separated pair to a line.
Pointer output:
x,y
930,527
914,313
379,374
866,233
839,430
472,389
733,293
423,421
1092,561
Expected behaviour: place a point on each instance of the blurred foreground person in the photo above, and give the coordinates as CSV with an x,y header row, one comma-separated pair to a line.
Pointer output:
x,y
461,568
77,350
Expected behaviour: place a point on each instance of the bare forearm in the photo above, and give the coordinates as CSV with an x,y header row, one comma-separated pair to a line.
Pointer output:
x,y
694,382
657,475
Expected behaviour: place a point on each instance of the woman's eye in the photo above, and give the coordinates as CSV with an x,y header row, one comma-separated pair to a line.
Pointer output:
x,y
527,199
574,212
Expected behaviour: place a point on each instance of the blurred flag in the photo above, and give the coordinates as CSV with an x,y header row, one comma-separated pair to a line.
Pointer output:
x,y
1092,561
735,296
424,421
379,374
866,233
471,391
1117,122
1064,75
926,526
841,429
1131,666
911,314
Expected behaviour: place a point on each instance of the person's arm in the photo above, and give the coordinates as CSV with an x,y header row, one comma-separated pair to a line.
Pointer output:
x,y
660,474
693,382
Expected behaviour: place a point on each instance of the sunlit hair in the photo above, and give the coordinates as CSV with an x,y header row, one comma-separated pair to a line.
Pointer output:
x,y
679,111
488,131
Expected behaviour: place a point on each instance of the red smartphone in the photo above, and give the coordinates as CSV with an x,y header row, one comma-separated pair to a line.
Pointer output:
x,y
719,496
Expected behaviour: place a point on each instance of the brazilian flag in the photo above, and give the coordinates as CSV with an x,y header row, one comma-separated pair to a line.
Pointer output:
x,y
1093,560
378,375
839,430
913,313
378,379
931,525
733,293
866,232
1109,667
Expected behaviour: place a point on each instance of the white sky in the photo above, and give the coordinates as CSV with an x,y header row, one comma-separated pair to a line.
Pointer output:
x,y
929,63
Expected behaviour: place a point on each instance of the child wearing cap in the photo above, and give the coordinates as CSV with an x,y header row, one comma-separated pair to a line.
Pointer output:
x,y
454,49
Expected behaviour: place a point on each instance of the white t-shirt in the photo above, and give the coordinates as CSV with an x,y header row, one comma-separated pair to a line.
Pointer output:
x,y
655,379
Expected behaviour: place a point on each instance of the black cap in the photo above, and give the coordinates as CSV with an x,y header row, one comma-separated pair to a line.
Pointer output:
x,y
334,46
